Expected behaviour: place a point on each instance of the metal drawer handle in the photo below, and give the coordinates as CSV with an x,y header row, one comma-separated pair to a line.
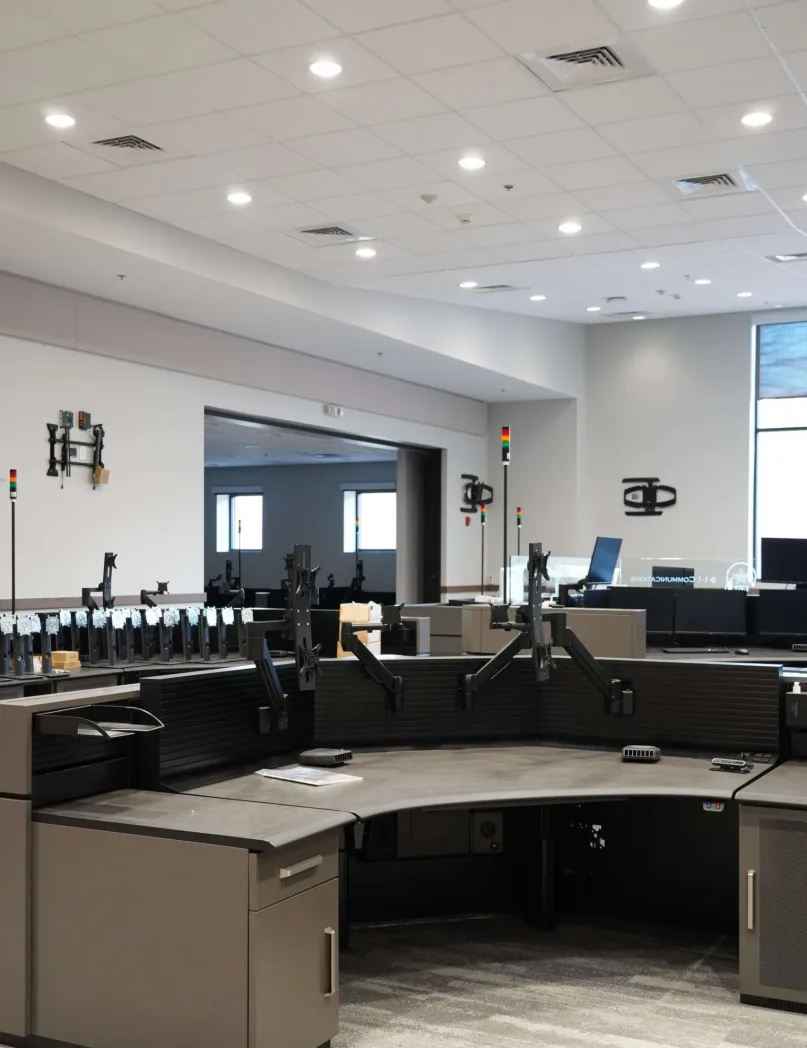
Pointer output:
x,y
332,962
300,867
751,874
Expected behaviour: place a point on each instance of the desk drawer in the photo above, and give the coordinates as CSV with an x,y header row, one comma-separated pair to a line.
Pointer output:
x,y
277,875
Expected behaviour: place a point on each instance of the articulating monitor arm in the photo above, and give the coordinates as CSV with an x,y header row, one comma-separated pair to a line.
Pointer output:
x,y
392,684
618,695
258,651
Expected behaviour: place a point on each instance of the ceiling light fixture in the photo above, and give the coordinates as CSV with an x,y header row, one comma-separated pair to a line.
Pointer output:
x,y
537,298
570,227
665,5
366,252
471,163
757,118
650,265
703,281
804,198
326,69
61,121
744,294
466,284
593,309
639,317
239,197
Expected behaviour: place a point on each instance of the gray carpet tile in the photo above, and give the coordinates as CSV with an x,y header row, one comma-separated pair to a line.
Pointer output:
x,y
499,984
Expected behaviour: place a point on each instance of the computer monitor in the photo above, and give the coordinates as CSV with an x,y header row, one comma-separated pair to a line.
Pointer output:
x,y
711,611
783,560
668,577
782,613
658,603
603,561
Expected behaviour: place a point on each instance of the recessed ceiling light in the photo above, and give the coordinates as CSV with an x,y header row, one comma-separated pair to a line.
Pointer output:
x,y
703,281
61,121
744,294
537,298
594,309
326,69
757,118
650,265
804,198
570,227
366,252
665,5
468,284
779,306
471,163
639,317
239,197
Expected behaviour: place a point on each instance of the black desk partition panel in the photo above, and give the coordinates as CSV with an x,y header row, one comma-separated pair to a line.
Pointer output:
x,y
658,603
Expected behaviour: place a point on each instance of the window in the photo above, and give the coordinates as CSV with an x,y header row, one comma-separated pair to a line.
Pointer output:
x,y
781,432
239,522
371,518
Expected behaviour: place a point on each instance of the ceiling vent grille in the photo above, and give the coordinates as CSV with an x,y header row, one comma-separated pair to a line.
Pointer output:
x,y
702,185
128,142
799,257
626,313
328,231
324,236
587,65
492,289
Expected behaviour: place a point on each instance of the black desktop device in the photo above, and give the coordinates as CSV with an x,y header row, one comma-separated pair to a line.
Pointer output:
x,y
673,577
603,561
719,612
658,603
783,560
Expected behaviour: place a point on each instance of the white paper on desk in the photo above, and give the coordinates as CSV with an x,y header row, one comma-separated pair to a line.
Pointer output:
x,y
308,776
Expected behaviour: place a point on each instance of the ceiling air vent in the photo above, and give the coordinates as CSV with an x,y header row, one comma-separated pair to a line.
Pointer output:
x,y
323,236
127,142
800,257
328,231
492,289
702,185
587,65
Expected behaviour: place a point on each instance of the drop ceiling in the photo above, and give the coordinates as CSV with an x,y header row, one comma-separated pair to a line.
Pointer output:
x,y
223,88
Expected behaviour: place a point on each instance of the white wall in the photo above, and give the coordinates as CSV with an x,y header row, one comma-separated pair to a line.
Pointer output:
x,y
301,504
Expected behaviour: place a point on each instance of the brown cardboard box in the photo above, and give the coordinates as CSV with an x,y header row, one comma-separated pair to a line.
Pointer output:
x,y
358,613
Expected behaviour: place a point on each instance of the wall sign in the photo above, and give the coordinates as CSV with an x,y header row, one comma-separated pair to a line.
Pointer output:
x,y
475,493
642,498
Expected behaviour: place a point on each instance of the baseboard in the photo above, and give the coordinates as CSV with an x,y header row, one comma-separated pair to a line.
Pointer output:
x,y
773,1002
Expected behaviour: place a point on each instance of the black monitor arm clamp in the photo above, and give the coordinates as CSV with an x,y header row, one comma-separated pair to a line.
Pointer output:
x,y
379,671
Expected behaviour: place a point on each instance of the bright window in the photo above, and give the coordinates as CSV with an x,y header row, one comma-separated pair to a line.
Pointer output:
x,y
371,518
239,523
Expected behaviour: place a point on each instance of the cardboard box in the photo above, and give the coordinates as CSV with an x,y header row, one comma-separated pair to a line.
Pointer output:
x,y
359,613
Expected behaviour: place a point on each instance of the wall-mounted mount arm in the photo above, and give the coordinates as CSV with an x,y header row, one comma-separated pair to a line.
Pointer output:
x,y
380,673
617,695
258,652
146,595
104,587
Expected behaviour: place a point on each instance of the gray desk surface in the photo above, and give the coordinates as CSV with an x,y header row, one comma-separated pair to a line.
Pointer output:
x,y
204,819
784,786
396,780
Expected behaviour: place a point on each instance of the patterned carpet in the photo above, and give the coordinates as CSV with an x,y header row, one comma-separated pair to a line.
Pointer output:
x,y
498,984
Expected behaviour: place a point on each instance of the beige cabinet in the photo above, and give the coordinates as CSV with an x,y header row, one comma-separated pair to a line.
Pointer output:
x,y
773,905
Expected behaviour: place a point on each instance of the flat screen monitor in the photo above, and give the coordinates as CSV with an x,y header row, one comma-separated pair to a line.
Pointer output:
x,y
783,560
669,577
782,613
604,560
658,603
719,612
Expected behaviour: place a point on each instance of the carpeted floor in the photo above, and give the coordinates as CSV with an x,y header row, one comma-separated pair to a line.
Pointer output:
x,y
498,984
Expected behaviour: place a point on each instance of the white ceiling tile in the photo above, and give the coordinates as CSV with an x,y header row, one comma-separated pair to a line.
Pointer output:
x,y
482,214
725,121
429,243
151,179
786,24
493,236
635,194
524,25
676,46
21,28
530,116
228,85
345,147
797,63
159,45
563,147
274,247
143,102
345,254
555,206
356,16
23,126
732,205
790,199
16,89
731,82
292,118
435,43
482,84
427,133
593,225
222,226
199,202
660,236
359,205
291,216
776,176
746,226
531,251
67,65
80,16
181,5
497,159
658,132
448,194
407,224
264,161
389,174
601,243
466,258
197,135
252,26
647,217
388,100
592,173
629,100
314,185
57,160
684,161
510,185
359,66
638,14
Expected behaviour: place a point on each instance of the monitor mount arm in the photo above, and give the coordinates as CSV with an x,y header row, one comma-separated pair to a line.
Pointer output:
x,y
380,673
146,595
617,695
104,587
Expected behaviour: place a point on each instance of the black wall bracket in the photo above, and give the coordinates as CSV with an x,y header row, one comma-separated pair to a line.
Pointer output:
x,y
475,493
642,497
